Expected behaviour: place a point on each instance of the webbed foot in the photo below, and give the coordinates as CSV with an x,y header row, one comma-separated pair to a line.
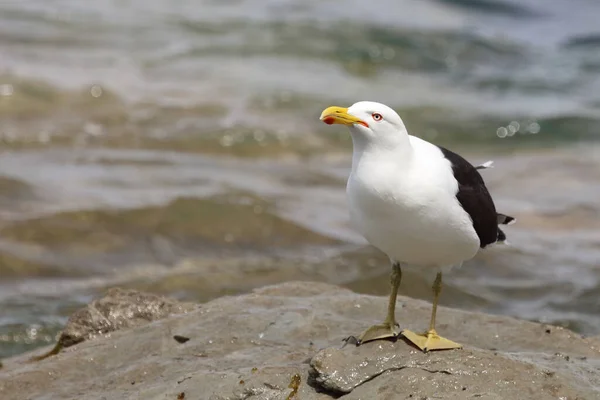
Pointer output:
x,y
381,331
430,340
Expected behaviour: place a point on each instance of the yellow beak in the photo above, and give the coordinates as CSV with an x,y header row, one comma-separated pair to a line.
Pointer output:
x,y
339,115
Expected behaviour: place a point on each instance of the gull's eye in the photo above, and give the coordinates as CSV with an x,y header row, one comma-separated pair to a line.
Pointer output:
x,y
377,117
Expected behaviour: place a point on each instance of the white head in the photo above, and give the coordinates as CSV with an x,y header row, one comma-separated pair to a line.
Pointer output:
x,y
370,123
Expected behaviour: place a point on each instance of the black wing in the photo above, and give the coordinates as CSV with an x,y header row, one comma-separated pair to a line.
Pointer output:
x,y
474,197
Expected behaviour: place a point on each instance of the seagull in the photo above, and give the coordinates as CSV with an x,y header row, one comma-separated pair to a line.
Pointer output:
x,y
420,204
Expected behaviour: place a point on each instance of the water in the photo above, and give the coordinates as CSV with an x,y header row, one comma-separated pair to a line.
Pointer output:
x,y
175,146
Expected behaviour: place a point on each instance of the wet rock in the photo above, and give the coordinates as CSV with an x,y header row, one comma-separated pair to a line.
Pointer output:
x,y
403,371
286,342
15,191
118,309
221,225
232,219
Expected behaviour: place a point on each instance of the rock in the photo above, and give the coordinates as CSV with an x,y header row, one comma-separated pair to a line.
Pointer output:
x,y
403,371
118,309
286,342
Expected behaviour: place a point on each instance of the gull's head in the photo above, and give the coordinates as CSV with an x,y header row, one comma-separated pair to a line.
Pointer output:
x,y
367,120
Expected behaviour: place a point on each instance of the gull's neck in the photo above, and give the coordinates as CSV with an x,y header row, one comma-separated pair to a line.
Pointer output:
x,y
366,151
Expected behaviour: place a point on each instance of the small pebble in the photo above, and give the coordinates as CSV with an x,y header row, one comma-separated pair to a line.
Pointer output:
x,y
181,339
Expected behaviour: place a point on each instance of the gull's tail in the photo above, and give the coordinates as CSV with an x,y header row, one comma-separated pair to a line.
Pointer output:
x,y
504,220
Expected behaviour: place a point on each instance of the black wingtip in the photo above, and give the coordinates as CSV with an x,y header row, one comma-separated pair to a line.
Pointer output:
x,y
505,219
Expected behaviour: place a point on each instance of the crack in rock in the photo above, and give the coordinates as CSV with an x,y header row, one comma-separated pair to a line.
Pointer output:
x,y
339,371
323,380
392,369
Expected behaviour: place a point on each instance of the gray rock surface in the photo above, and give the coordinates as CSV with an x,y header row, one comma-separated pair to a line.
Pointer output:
x,y
286,342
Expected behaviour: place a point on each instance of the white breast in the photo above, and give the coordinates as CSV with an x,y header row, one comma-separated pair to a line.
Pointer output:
x,y
408,208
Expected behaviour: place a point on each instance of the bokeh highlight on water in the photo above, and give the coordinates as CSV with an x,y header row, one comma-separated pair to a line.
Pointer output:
x,y
175,146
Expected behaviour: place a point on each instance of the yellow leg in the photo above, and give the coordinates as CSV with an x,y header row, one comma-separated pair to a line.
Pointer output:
x,y
389,328
430,340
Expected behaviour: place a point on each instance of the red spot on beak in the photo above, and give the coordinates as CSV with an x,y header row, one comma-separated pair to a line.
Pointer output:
x,y
363,123
329,120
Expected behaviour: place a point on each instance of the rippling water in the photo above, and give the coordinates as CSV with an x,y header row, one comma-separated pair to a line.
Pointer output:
x,y
175,146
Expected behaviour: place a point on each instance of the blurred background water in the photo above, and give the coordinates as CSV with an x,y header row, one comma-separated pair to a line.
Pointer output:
x,y
174,146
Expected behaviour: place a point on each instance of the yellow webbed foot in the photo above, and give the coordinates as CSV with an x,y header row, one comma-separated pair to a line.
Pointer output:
x,y
430,341
382,331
